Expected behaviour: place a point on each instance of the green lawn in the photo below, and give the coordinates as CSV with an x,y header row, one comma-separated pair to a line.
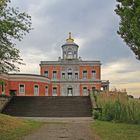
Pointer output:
x,y
13,129
116,131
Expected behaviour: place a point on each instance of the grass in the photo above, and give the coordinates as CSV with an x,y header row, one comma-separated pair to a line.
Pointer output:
x,y
116,131
12,128
118,108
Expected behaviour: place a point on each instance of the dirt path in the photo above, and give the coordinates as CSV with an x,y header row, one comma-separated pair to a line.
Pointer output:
x,y
70,130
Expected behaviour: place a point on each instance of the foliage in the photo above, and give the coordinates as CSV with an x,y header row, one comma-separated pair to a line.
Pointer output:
x,y
119,110
13,26
116,131
129,29
2,84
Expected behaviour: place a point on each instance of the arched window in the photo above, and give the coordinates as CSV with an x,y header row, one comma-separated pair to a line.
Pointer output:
x,y
36,90
54,91
46,91
69,73
70,91
70,55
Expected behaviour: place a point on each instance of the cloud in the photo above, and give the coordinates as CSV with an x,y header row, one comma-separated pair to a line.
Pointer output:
x,y
93,25
123,73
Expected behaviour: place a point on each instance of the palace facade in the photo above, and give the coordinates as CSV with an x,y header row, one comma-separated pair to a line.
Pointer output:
x,y
69,76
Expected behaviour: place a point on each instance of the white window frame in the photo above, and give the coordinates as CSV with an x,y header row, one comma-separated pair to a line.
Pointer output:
x,y
54,94
69,75
76,75
20,92
70,55
54,75
47,73
85,91
37,90
63,75
85,75
46,90
93,74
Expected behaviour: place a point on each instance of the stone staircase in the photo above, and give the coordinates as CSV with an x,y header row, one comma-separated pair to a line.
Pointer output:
x,y
43,106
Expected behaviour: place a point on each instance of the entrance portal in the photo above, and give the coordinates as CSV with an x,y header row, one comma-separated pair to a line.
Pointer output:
x,y
69,92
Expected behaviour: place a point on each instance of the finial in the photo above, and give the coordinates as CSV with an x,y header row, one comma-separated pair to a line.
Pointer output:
x,y
69,35
69,40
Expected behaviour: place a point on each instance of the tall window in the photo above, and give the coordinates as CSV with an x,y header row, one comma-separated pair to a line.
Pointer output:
x,y
84,74
75,54
94,74
70,73
85,91
54,76
46,91
36,90
21,89
76,75
70,55
46,73
63,75
54,91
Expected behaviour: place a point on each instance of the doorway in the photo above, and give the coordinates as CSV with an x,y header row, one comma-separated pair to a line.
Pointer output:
x,y
70,91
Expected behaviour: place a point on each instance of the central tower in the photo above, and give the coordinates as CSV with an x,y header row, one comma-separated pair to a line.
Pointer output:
x,y
70,49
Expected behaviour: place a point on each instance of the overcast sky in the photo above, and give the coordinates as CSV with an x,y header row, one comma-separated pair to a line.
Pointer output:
x,y
93,24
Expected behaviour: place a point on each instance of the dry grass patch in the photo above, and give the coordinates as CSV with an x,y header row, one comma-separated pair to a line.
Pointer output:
x,y
12,128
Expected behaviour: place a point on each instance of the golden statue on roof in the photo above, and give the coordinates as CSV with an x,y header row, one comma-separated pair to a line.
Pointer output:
x,y
70,39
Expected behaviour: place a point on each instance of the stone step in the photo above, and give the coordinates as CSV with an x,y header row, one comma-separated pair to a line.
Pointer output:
x,y
63,106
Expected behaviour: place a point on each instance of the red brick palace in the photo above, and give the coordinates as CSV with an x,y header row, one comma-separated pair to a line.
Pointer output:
x,y
69,76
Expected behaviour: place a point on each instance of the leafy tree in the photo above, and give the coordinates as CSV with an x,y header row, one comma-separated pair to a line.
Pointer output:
x,y
13,26
129,27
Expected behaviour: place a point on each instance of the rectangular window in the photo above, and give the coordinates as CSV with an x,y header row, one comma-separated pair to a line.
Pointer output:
x,y
70,75
84,74
85,91
46,73
76,75
36,90
63,75
54,91
21,89
54,76
93,74
46,91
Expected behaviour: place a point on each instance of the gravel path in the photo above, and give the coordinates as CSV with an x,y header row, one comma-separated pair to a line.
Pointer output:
x,y
71,130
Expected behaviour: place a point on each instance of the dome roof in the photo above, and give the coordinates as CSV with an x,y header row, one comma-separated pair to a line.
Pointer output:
x,y
70,41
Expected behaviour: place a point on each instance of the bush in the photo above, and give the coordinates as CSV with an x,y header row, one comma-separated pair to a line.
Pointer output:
x,y
3,95
96,114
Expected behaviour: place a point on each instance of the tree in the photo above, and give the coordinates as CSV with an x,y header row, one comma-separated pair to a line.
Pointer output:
x,y
13,26
129,27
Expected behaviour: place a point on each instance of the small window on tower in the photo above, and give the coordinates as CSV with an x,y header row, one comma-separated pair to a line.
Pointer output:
x,y
75,54
70,56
